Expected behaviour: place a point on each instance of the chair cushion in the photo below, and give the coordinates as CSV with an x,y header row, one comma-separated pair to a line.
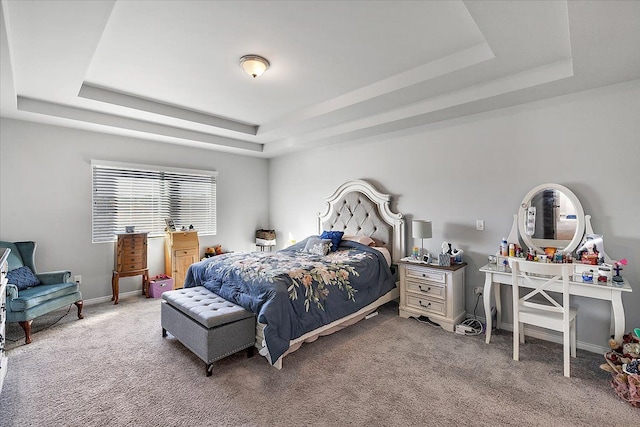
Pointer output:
x,y
23,278
32,297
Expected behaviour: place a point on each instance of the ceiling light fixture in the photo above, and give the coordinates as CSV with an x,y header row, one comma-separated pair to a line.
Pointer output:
x,y
254,65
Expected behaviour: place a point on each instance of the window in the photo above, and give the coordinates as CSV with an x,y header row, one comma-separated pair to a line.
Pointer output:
x,y
144,196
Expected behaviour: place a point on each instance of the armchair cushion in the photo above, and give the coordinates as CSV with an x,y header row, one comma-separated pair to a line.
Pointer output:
x,y
23,278
37,295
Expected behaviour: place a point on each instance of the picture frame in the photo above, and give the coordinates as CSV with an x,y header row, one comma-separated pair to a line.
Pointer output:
x,y
171,226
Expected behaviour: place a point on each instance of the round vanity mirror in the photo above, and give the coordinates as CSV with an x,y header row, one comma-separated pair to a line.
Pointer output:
x,y
551,216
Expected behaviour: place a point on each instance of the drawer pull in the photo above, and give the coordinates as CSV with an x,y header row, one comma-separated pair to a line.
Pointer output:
x,y
425,306
428,289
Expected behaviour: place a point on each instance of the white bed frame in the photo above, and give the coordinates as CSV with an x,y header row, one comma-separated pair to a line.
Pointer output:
x,y
379,223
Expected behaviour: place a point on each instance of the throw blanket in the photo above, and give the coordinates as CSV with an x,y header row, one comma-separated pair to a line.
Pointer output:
x,y
293,292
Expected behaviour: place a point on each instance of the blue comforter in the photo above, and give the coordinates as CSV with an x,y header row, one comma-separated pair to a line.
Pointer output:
x,y
293,292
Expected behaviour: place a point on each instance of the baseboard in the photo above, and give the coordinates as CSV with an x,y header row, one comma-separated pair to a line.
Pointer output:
x,y
108,297
544,334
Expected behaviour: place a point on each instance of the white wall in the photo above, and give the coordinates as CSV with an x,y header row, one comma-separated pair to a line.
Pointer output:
x,y
45,196
481,167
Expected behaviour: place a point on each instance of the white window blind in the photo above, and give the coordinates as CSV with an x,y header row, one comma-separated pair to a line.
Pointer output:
x,y
144,196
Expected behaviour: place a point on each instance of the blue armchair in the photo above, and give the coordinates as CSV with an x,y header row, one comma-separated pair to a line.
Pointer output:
x,y
47,291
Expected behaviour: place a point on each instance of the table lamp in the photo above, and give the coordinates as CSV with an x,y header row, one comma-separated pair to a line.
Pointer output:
x,y
421,229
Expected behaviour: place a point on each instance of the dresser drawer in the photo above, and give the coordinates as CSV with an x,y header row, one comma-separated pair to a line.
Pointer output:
x,y
427,289
424,274
131,265
133,241
131,258
427,305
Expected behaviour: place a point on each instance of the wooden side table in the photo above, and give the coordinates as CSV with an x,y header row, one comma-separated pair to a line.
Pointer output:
x,y
182,248
130,260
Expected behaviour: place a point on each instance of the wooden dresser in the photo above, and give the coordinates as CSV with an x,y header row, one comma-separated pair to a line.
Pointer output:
x,y
4,254
182,249
434,292
130,260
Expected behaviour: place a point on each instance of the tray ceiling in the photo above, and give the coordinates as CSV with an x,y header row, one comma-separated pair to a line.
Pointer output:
x,y
340,71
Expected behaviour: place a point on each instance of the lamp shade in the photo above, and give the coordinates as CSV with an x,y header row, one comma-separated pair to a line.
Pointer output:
x,y
254,65
421,229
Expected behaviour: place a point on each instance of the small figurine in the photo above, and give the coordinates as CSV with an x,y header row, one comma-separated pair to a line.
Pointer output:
x,y
530,254
618,278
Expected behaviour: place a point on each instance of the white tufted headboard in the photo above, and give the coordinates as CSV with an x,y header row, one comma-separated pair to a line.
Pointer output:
x,y
358,208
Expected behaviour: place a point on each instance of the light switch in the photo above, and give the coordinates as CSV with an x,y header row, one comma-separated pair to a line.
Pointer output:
x,y
480,225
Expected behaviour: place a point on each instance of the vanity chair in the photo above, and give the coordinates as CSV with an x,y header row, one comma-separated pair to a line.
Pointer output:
x,y
551,216
548,313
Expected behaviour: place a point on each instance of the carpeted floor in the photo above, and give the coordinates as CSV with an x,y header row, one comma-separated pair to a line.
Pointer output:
x,y
114,369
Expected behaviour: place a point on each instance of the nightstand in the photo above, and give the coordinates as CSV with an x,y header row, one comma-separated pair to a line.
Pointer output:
x,y
433,291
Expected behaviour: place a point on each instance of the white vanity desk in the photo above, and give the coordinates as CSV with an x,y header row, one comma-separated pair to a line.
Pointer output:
x,y
494,278
552,216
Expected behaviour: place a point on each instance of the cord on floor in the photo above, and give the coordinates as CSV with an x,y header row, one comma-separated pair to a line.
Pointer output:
x,y
46,327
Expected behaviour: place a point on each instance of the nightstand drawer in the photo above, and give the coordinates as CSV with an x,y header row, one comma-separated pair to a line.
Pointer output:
x,y
422,273
427,305
427,289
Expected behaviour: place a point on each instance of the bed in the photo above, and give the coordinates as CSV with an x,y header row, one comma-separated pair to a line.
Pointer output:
x,y
317,286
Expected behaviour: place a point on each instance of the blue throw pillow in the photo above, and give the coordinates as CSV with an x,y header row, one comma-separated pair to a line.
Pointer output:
x,y
335,237
23,278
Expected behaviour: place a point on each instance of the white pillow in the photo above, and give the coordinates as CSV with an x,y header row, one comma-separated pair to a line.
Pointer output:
x,y
363,240
318,246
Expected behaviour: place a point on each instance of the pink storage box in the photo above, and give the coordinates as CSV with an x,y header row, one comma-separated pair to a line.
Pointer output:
x,y
157,286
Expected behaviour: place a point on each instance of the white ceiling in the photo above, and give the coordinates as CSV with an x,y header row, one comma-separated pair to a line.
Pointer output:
x,y
340,70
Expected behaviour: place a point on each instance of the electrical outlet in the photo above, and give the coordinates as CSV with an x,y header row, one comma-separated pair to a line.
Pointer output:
x,y
77,279
477,290
480,225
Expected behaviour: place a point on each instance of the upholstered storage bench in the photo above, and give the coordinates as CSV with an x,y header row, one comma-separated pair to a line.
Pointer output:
x,y
208,325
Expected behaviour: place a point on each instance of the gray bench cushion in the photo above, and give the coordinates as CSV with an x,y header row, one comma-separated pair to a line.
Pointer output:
x,y
205,307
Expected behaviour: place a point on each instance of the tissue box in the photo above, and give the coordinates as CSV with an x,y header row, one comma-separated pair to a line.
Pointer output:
x,y
157,286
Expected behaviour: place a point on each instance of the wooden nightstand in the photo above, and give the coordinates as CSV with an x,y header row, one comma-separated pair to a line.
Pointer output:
x,y
434,292
182,249
130,260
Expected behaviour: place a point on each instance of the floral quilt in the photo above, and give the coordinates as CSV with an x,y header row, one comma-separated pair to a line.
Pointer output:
x,y
293,292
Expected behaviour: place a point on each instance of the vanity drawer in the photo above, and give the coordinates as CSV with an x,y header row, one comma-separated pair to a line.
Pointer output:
x,y
427,289
426,274
427,305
